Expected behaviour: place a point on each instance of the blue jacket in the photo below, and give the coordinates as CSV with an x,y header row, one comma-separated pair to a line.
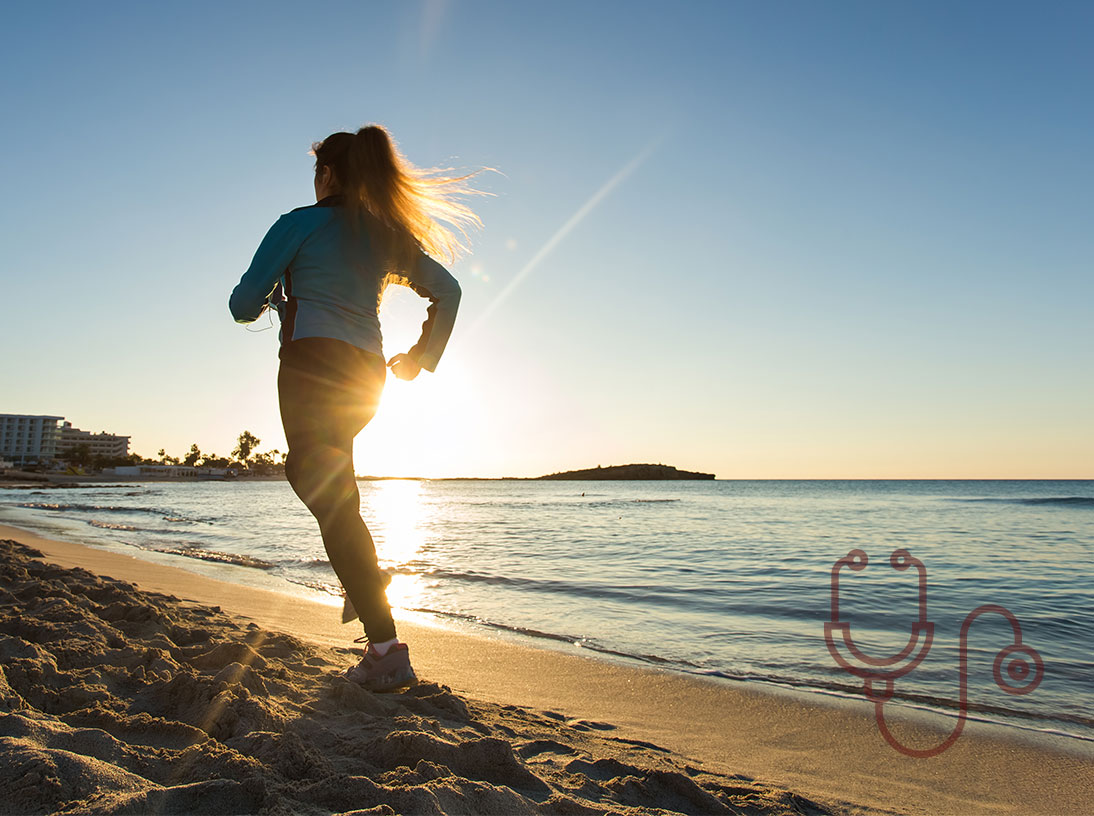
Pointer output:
x,y
326,282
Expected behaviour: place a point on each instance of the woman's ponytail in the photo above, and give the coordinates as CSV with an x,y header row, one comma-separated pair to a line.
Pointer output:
x,y
375,179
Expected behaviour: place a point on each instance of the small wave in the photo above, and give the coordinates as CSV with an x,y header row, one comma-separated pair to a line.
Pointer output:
x,y
562,638
643,595
495,625
320,586
614,504
109,525
219,557
1064,501
166,515
589,500
102,508
1057,501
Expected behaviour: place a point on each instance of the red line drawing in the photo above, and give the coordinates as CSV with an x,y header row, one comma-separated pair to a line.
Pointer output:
x,y
880,674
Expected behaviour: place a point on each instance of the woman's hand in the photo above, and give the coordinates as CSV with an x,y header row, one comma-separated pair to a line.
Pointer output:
x,y
404,366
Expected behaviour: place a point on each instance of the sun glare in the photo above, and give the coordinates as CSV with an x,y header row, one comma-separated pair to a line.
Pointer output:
x,y
393,512
431,426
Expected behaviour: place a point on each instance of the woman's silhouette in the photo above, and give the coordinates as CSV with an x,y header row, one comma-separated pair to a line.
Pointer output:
x,y
324,267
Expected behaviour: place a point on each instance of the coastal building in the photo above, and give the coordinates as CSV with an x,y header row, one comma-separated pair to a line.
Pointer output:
x,y
29,438
163,471
171,472
108,446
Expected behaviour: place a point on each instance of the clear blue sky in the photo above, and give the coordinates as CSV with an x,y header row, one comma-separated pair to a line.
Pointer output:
x,y
853,241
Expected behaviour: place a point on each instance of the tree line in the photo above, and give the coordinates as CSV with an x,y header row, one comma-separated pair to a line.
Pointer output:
x,y
244,456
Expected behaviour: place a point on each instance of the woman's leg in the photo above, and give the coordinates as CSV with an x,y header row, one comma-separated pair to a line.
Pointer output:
x,y
328,392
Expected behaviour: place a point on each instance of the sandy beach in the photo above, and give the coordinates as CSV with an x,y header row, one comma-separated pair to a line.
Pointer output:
x,y
133,687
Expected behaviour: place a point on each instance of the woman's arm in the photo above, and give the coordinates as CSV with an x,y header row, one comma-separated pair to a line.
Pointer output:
x,y
431,280
275,253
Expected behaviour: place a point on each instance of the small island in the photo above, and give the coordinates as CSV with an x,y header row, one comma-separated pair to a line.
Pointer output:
x,y
622,472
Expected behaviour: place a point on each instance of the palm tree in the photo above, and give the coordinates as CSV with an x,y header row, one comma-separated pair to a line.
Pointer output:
x,y
246,443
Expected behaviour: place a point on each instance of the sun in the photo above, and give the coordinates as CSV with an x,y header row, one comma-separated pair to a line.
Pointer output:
x,y
428,427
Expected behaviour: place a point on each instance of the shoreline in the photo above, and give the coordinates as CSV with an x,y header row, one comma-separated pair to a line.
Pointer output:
x,y
236,574
824,747
236,569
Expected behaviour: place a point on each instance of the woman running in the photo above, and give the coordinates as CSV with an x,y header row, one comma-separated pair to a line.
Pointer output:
x,y
324,268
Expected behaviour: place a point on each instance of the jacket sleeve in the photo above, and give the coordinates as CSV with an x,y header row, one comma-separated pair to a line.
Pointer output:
x,y
431,280
274,255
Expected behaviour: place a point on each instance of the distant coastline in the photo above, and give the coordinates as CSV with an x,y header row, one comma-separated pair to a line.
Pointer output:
x,y
627,472
612,473
632,472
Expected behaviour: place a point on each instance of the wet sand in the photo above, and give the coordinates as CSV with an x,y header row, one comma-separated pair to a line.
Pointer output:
x,y
178,693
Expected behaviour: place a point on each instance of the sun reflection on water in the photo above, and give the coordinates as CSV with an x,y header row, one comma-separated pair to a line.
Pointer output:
x,y
394,512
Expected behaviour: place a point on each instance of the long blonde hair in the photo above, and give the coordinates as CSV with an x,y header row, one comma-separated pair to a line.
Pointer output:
x,y
410,202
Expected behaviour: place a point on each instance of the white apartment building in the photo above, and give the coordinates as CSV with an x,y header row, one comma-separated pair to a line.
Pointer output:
x,y
100,444
26,438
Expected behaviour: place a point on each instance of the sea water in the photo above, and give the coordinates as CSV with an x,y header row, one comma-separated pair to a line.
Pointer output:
x,y
729,579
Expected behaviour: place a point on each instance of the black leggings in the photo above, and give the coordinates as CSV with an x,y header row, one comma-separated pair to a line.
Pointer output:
x,y
329,390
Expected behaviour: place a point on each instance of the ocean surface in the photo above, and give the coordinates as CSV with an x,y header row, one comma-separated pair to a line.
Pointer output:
x,y
730,579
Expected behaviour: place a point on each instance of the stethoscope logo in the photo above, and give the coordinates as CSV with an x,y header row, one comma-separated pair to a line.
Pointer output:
x,y
1023,665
